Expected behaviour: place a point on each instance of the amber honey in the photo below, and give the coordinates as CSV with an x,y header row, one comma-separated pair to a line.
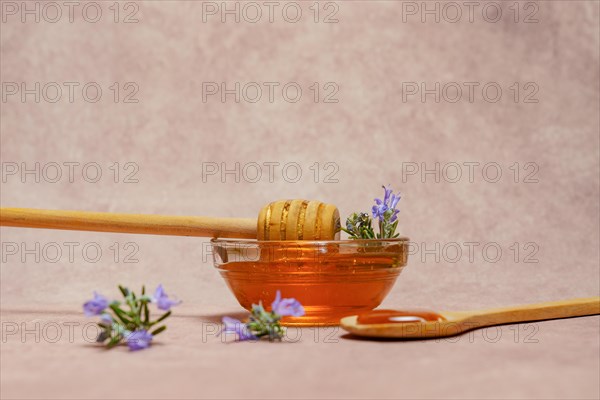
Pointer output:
x,y
331,281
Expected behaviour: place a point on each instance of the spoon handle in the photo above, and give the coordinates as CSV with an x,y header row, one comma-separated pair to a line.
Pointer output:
x,y
537,312
129,223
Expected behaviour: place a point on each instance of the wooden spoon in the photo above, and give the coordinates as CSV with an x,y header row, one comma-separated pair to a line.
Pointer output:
x,y
279,220
430,324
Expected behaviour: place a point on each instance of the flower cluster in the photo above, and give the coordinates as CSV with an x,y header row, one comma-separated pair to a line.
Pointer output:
x,y
263,323
132,325
359,225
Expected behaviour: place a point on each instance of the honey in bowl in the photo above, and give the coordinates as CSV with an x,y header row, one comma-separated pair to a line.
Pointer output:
x,y
331,279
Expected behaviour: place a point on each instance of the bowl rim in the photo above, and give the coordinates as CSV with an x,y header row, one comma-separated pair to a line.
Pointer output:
x,y
225,241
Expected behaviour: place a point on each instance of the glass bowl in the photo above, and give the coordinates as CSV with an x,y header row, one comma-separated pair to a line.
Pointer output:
x,y
332,279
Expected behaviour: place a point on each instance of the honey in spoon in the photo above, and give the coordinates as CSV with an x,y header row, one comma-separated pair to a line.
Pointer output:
x,y
397,316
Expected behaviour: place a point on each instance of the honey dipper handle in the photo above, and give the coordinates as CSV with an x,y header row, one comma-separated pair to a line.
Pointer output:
x,y
537,312
129,223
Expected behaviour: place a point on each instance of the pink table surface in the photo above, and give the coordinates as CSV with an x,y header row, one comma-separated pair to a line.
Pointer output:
x,y
550,360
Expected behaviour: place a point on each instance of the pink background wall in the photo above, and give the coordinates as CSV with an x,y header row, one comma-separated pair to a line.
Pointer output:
x,y
371,135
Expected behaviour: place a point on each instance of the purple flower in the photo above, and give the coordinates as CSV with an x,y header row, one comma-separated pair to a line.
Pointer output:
x,y
163,301
379,209
389,202
237,327
106,320
95,306
386,194
285,307
139,340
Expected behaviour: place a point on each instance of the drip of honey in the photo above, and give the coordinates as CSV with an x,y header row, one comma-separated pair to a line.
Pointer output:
x,y
398,317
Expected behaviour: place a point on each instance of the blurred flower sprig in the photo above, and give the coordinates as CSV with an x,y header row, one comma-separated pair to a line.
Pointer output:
x,y
360,225
263,323
130,319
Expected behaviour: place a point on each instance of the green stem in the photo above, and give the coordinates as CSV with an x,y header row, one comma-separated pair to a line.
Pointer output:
x,y
115,340
146,314
120,314
158,330
162,318
123,290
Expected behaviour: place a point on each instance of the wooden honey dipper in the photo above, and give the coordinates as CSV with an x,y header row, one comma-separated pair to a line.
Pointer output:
x,y
279,220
